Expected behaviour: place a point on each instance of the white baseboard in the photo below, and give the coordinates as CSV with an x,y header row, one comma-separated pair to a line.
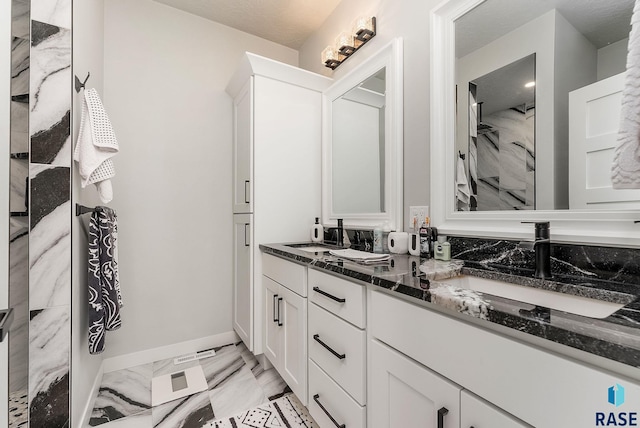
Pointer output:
x,y
150,355
86,413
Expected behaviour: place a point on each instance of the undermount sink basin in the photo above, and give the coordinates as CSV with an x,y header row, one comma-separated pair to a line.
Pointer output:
x,y
314,249
311,247
570,303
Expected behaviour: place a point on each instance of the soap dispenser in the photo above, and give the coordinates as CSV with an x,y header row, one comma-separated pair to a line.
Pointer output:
x,y
317,231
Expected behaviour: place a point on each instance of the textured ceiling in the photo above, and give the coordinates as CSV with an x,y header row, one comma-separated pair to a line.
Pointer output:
x,y
287,22
601,21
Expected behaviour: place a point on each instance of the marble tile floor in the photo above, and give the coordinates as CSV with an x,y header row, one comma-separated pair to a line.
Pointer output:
x,y
239,390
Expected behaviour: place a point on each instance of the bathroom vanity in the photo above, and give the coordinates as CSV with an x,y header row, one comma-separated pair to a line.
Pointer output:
x,y
404,344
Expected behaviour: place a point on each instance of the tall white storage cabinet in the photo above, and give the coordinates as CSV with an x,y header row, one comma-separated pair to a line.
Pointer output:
x,y
276,173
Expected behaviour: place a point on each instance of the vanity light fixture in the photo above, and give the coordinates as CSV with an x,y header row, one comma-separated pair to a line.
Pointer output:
x,y
530,84
346,44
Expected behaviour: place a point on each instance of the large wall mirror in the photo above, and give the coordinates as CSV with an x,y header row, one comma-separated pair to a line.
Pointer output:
x,y
362,143
526,103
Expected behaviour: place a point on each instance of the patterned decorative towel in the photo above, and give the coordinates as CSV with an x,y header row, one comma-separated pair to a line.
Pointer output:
x,y
105,299
625,172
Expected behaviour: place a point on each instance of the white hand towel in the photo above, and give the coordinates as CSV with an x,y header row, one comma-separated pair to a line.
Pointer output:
x,y
96,146
463,194
625,172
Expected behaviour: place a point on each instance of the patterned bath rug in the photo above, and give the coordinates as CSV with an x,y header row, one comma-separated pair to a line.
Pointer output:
x,y
285,412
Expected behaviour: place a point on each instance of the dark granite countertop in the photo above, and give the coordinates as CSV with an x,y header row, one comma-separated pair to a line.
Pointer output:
x,y
616,337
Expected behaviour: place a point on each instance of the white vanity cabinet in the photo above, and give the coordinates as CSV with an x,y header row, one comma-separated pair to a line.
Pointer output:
x,y
285,322
407,394
277,128
502,382
337,351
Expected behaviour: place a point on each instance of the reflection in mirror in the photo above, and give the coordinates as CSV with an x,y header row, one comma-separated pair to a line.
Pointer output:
x,y
358,154
362,144
501,143
578,45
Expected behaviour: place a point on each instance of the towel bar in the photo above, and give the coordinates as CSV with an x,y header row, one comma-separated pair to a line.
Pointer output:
x,y
81,209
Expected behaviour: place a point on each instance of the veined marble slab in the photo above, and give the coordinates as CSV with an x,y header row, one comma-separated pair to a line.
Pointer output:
x,y
49,347
20,18
123,393
19,66
50,94
54,12
193,411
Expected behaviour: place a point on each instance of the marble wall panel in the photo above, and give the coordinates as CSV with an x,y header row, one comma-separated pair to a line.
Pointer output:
x,y
488,154
50,237
49,133
50,94
20,20
54,12
19,127
18,185
19,301
19,66
49,347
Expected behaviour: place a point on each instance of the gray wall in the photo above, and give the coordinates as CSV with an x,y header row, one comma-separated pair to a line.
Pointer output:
x,y
88,51
165,73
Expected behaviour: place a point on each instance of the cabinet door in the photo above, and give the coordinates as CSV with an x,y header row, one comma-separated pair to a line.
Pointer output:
x,y
403,393
243,150
477,413
243,278
294,343
273,319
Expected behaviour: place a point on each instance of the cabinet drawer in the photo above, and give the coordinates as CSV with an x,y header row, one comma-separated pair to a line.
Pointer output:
x,y
289,274
344,339
476,412
337,404
341,297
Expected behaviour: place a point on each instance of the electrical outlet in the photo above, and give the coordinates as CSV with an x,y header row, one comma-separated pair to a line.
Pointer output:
x,y
418,213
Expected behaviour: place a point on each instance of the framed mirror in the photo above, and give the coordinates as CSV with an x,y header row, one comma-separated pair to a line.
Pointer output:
x,y
362,144
580,57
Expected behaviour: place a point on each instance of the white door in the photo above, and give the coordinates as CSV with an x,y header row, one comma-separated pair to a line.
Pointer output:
x,y
403,393
272,321
594,120
477,413
5,96
243,150
243,278
294,343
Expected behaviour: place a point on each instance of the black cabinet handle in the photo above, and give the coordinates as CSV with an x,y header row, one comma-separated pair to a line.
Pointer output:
x,y
246,244
316,337
441,414
316,398
246,201
331,296
279,321
275,319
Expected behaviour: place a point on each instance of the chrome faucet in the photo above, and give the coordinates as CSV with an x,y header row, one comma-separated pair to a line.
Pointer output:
x,y
542,246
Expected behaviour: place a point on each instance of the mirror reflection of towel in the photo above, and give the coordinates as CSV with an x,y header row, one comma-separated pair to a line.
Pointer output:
x,y
463,194
625,172
96,146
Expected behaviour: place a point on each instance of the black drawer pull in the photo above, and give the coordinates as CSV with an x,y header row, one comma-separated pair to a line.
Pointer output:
x,y
331,296
316,337
246,234
275,319
279,320
316,398
441,414
246,198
